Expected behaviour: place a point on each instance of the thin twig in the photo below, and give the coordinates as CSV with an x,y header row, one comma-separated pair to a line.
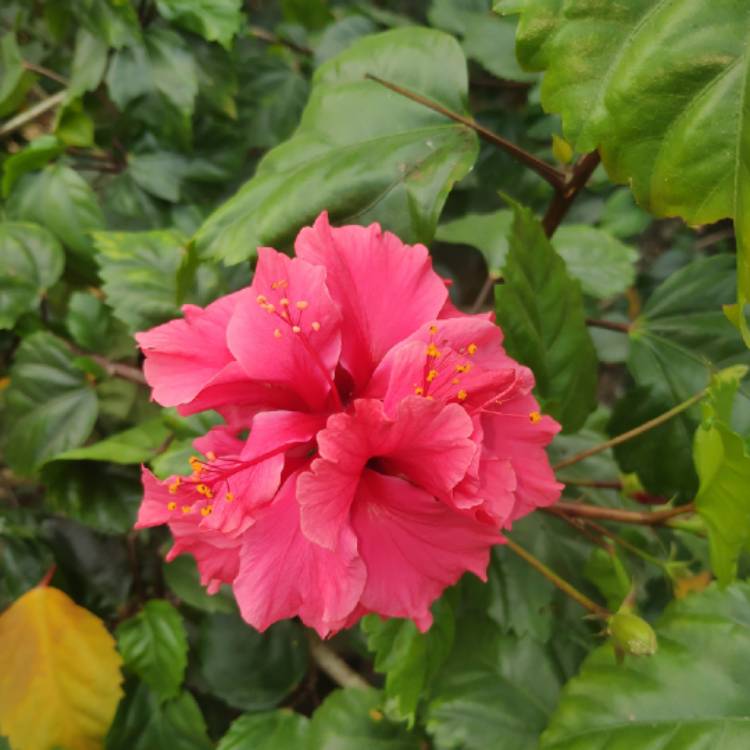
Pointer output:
x,y
333,665
270,38
547,171
563,198
489,284
113,369
561,583
46,72
610,325
642,518
614,484
32,113
630,434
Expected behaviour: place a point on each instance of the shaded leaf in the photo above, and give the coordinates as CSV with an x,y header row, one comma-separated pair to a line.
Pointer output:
x,y
182,577
214,20
276,730
15,80
38,153
89,63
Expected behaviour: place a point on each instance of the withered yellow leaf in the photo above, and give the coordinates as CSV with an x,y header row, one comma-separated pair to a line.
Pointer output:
x,y
59,674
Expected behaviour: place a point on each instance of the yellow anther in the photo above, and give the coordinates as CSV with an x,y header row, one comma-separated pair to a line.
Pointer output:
x,y
284,314
172,506
419,391
174,486
431,375
211,456
535,417
206,510
277,333
284,302
463,368
462,395
229,497
269,308
433,351
315,325
455,381
187,508
433,330
296,329
196,465
204,489
472,349
302,304
280,284
261,299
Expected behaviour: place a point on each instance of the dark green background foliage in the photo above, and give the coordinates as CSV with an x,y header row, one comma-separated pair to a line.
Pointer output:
x,y
147,147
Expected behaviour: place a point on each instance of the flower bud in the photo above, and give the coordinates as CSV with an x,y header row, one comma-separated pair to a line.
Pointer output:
x,y
632,634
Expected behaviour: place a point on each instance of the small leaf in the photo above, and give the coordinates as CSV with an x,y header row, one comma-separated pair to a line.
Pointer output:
x,y
250,670
182,577
38,153
15,80
352,718
361,151
32,261
51,405
139,271
60,673
62,201
540,309
154,645
214,20
89,63
275,730
487,232
88,321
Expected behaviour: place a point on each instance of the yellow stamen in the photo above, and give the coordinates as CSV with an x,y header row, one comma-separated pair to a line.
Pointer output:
x,y
205,490
302,304
277,333
472,349
419,391
284,302
211,456
172,506
296,329
174,486
535,417
315,325
433,330
431,375
433,351
261,299
455,381
196,465
462,395
207,510
229,497
280,284
269,308
187,508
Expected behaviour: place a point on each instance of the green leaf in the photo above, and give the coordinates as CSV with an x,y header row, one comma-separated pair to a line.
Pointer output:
x,y
62,201
88,321
251,670
692,100
133,446
73,125
488,39
38,153
114,21
215,20
154,645
275,730
182,577
15,80
341,34
692,694
606,571
408,658
32,261
146,722
488,233
723,465
540,309
51,405
352,719
604,265
361,151
139,272
158,173
89,63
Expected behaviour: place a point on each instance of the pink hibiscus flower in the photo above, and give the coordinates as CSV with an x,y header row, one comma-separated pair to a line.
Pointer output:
x,y
390,436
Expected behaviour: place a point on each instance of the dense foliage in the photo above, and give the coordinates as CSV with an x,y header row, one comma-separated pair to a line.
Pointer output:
x,y
587,161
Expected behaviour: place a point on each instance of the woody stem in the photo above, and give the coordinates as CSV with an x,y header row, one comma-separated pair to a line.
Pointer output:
x,y
333,665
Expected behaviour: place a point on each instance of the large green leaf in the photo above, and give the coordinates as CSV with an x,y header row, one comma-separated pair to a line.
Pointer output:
x,y
139,271
352,719
275,730
39,152
62,201
723,464
154,645
251,670
540,309
693,694
89,63
215,20
51,405
661,88
32,260
361,151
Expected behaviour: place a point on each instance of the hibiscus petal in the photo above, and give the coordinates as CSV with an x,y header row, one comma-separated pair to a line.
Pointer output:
x,y
413,547
286,332
283,574
385,289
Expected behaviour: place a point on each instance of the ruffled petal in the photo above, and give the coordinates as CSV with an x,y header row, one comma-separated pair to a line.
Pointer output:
x,y
283,574
287,331
413,547
385,289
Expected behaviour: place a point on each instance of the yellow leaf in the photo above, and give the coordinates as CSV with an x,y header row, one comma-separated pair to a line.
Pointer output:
x,y
59,674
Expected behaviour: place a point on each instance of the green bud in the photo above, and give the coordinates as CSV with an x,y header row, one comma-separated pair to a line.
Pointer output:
x,y
632,634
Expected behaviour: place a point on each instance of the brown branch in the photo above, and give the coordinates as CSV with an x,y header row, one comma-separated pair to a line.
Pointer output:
x,y
544,170
643,518
610,325
564,196
487,287
595,483
113,369
46,72
270,38
17,122
630,434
